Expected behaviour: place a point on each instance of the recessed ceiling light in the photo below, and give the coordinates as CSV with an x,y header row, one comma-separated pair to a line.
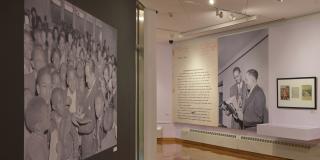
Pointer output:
x,y
280,1
211,2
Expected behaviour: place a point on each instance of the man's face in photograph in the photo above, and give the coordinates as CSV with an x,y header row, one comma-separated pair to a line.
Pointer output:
x,y
237,76
250,81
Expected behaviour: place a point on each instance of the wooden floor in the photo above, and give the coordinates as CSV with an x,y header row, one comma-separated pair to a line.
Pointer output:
x,y
181,150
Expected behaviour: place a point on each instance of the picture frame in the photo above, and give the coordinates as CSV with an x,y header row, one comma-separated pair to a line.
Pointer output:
x,y
297,93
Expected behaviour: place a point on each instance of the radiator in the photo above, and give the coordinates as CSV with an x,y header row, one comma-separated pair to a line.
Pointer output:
x,y
270,146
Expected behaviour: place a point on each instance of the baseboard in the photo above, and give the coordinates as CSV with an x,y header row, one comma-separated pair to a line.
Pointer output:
x,y
218,149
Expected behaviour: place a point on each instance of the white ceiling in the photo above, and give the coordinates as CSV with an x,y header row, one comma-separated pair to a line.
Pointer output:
x,y
194,14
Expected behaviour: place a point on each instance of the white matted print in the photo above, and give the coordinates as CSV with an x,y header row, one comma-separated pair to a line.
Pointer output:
x,y
297,92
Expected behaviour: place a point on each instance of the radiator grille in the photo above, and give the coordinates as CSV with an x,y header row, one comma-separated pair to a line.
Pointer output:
x,y
278,142
252,138
214,133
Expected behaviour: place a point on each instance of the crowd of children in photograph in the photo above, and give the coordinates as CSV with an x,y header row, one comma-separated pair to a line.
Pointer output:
x,y
70,91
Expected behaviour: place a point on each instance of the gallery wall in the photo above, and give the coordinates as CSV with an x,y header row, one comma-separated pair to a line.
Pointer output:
x,y
164,93
294,51
164,82
194,82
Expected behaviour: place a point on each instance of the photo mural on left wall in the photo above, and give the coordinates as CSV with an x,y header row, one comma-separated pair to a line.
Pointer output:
x,y
70,82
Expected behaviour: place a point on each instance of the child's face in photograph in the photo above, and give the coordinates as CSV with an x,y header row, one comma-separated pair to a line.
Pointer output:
x,y
71,80
110,119
80,72
49,38
60,107
106,74
56,60
37,37
39,59
99,104
103,85
28,46
88,76
45,87
82,84
61,42
56,81
45,123
63,72
56,33
70,39
43,37
27,97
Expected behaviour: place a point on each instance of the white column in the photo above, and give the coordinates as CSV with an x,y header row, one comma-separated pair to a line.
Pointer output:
x,y
150,85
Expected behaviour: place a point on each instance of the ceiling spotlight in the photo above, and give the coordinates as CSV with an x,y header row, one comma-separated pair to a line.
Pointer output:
x,y
280,1
211,2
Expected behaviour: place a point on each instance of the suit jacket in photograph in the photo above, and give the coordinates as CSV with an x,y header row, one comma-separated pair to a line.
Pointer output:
x,y
242,94
255,110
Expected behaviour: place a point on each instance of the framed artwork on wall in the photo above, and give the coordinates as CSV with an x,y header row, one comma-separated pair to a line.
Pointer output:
x,y
297,93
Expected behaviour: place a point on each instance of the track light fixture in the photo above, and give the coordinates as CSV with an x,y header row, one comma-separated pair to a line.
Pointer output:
x,y
219,13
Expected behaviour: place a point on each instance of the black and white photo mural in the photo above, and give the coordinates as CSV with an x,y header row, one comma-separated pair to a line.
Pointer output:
x,y
70,82
243,80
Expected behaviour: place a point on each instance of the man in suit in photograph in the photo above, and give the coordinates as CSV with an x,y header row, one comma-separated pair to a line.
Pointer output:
x,y
254,109
239,91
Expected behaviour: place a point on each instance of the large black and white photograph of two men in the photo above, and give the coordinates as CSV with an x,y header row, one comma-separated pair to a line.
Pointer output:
x,y
243,80
70,82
